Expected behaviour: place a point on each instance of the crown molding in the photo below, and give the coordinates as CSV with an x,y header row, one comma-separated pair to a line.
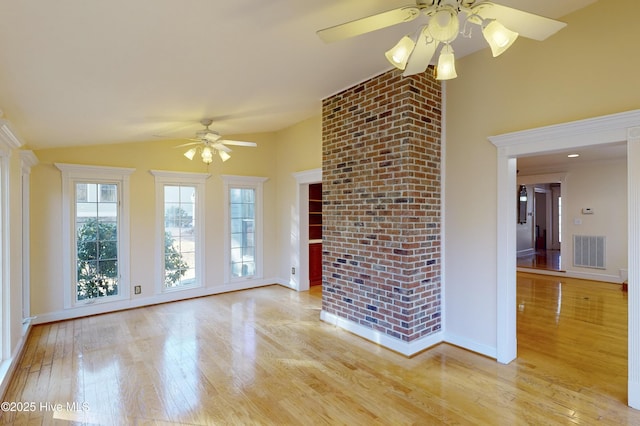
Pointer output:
x,y
8,137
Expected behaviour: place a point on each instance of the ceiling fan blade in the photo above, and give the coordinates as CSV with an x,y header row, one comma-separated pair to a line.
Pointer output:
x,y
368,24
421,56
211,137
221,147
527,24
188,144
238,143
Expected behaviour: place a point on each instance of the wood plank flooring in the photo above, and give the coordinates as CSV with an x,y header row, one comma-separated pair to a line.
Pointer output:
x,y
542,259
263,357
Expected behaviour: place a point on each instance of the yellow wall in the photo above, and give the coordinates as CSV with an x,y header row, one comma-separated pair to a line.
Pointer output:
x,y
46,220
588,69
299,149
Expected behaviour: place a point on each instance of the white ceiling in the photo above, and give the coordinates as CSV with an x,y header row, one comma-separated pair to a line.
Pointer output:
x,y
76,72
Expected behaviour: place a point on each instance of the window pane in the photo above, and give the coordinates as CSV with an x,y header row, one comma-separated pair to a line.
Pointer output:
x,y
107,193
179,247
81,192
96,225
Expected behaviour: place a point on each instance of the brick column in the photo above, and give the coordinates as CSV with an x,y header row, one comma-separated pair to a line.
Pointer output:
x,y
381,212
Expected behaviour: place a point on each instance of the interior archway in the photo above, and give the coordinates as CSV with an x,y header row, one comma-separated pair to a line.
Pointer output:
x,y
594,131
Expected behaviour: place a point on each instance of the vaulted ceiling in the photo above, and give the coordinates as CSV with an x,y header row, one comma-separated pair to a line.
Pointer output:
x,y
76,72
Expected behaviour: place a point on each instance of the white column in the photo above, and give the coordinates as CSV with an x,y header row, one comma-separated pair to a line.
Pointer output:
x,y
506,348
633,170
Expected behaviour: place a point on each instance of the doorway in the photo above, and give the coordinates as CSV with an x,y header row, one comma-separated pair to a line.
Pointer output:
x,y
595,131
299,279
539,236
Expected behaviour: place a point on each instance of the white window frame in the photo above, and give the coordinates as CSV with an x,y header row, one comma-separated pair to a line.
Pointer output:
x,y
197,180
77,173
250,182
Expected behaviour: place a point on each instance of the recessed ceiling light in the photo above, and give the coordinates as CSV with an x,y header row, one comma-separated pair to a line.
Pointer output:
x,y
573,155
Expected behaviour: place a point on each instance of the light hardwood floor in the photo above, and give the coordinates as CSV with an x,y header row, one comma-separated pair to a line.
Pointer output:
x,y
263,357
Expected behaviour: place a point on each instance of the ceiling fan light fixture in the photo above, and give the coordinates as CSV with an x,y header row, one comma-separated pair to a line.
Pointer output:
x,y
190,153
446,69
207,155
422,54
444,24
223,156
498,36
399,54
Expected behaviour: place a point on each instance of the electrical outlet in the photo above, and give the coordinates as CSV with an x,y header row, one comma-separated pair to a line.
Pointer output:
x,y
293,270
137,289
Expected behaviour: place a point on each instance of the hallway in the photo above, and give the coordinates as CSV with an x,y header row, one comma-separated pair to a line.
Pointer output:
x,y
548,260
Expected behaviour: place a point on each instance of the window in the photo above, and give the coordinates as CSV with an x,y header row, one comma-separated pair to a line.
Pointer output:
x,y
96,240
95,233
180,201
244,227
243,241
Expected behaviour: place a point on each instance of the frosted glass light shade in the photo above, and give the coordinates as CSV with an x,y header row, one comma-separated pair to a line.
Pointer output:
x,y
223,156
399,54
190,153
422,54
446,64
499,37
207,155
444,25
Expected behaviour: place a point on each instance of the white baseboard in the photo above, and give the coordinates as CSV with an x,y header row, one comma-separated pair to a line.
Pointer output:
x,y
102,308
574,274
633,398
525,252
471,345
287,283
407,349
8,366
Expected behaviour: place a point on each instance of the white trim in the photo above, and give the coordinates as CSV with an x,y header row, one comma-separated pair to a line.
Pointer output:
x,y
5,255
81,171
28,160
396,345
308,176
614,279
191,293
8,136
301,229
256,183
197,180
633,293
526,252
443,175
471,345
609,129
8,366
71,173
591,131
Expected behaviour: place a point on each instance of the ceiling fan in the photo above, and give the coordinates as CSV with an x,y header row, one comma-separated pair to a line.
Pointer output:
x,y
500,26
209,142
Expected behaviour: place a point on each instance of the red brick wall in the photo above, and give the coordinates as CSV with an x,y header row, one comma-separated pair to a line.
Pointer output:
x,y
381,212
